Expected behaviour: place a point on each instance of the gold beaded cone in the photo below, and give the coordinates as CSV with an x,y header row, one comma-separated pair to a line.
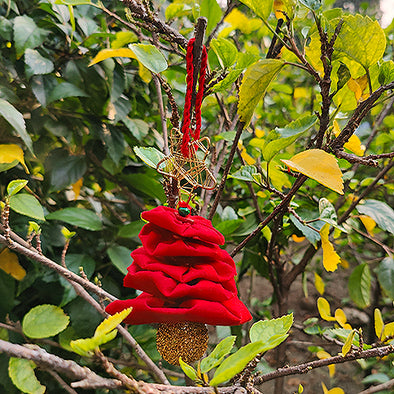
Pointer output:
x,y
188,340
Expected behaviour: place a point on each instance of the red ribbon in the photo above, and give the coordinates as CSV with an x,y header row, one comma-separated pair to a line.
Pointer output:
x,y
187,131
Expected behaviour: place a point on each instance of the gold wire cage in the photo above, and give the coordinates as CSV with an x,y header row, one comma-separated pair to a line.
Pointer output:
x,y
190,172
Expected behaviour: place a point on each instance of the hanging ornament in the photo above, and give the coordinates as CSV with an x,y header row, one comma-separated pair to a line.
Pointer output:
x,y
186,279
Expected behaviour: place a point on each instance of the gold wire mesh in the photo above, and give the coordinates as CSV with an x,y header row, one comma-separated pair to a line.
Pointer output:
x,y
190,172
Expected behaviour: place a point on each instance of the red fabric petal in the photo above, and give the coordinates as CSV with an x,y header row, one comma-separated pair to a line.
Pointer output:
x,y
195,227
149,309
161,285
186,268
161,242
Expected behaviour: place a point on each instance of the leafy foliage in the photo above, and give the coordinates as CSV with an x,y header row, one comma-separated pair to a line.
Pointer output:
x,y
310,185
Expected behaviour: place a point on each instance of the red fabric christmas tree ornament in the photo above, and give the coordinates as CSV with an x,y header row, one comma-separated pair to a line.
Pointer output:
x,y
183,273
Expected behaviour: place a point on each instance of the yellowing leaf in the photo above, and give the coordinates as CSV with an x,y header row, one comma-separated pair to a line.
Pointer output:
x,y
324,309
12,152
368,223
379,325
262,8
108,53
340,317
320,166
284,7
348,343
296,238
239,20
319,284
330,257
301,92
254,85
111,322
335,390
77,188
10,264
325,391
144,73
388,331
259,133
248,159
323,355
353,144
344,263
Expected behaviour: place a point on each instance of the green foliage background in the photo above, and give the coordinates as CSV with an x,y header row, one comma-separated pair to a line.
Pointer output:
x,y
78,125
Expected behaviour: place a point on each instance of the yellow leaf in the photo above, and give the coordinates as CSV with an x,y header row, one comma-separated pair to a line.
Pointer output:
x,y
323,355
330,257
340,317
144,73
259,133
239,20
379,325
324,309
344,263
320,166
10,264
348,343
353,144
336,390
12,152
284,6
111,322
296,238
107,53
245,155
325,391
77,187
319,284
301,92
368,223
388,331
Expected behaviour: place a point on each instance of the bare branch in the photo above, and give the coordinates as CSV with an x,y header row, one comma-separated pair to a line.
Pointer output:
x,y
306,367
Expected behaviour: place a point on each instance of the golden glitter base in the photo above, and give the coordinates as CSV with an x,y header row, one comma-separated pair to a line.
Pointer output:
x,y
188,340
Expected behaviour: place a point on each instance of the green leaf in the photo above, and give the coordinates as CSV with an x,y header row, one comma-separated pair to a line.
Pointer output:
x,y
361,39
216,357
328,214
15,186
147,184
312,235
245,173
27,205
227,227
64,169
131,230
261,8
254,85
138,128
120,257
150,57
386,72
237,362
64,90
44,321
73,2
27,34
211,10
225,50
313,5
385,272
297,126
379,211
15,119
360,285
150,156
189,371
37,64
78,217
290,133
21,372
268,330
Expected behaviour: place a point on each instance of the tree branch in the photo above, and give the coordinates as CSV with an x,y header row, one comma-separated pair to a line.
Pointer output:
x,y
306,367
